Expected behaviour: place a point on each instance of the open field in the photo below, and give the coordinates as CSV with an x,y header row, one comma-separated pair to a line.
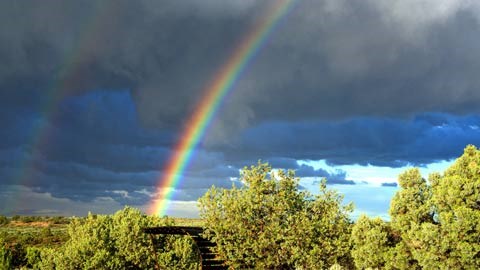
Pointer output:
x,y
23,239
47,231
192,222
38,234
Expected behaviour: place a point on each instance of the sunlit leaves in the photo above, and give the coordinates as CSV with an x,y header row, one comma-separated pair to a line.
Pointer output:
x,y
434,225
268,223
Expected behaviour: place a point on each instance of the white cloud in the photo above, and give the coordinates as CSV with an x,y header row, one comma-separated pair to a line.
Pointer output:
x,y
23,200
414,17
183,209
376,175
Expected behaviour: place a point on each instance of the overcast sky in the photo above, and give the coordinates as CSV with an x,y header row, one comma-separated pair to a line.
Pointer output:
x,y
94,95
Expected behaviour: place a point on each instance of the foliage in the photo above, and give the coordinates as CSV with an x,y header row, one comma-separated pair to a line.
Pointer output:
x,y
453,238
4,220
177,253
28,219
46,232
34,236
93,242
33,257
367,235
59,220
111,242
36,246
434,225
18,253
269,223
5,256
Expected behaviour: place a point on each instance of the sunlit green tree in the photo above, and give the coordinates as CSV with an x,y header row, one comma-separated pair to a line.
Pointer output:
x,y
5,257
434,225
372,242
452,240
116,242
269,223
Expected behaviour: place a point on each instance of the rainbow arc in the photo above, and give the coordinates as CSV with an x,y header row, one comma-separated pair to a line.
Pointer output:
x,y
222,83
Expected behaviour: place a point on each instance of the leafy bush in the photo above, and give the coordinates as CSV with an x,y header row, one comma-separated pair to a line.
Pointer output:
x,y
5,256
434,226
59,220
114,242
178,253
46,232
33,257
29,219
269,223
4,220
368,235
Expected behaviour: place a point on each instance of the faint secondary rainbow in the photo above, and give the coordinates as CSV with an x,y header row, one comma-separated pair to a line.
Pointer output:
x,y
58,89
223,82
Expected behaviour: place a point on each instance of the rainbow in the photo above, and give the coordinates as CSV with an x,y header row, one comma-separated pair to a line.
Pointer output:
x,y
215,92
58,89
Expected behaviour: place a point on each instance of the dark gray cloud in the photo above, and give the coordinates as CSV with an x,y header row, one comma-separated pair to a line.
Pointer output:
x,y
389,184
95,147
337,177
283,163
360,58
328,59
93,95
389,142
163,51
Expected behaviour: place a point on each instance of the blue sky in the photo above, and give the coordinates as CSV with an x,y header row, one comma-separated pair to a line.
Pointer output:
x,y
94,98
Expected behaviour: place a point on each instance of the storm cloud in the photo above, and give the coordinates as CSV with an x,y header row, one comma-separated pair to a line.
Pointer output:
x,y
389,142
94,95
328,58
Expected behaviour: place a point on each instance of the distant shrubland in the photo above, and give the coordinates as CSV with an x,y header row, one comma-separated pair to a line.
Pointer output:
x,y
269,223
94,242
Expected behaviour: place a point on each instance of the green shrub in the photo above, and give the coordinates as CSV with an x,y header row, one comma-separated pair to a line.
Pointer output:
x,y
270,224
33,257
115,242
435,224
18,252
59,220
4,220
5,258
46,232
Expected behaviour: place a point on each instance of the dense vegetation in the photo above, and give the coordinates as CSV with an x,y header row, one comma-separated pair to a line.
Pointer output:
x,y
269,223
95,242
434,224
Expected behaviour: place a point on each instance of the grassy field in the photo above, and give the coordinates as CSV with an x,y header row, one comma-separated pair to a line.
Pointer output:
x,y
53,232
34,234
191,222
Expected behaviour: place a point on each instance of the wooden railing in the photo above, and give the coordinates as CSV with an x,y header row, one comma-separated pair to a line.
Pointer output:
x,y
208,258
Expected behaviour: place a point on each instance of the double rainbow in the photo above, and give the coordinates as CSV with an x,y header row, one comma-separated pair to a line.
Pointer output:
x,y
66,75
221,85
